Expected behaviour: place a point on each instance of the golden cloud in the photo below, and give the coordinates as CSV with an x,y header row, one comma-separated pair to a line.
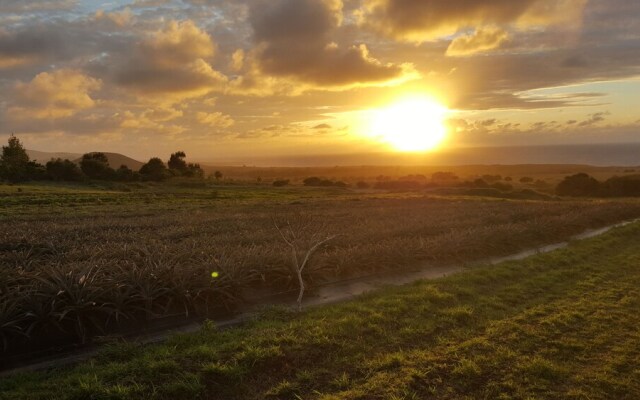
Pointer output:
x,y
420,20
215,120
172,65
483,39
52,95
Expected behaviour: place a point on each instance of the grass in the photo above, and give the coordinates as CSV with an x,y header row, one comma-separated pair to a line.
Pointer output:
x,y
562,325
36,200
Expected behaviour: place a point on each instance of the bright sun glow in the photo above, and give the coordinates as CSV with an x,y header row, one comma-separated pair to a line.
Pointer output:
x,y
415,124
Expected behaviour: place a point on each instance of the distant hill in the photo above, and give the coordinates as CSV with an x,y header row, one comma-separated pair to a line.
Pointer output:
x,y
115,159
42,156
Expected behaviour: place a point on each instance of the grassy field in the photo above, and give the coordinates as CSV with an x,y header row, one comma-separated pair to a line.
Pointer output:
x,y
559,325
80,261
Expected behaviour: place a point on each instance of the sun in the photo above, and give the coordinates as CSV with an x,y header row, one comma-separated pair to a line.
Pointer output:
x,y
411,124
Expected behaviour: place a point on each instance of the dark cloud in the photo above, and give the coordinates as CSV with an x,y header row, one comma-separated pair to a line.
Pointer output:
x,y
421,20
26,47
296,40
23,6
173,62
594,118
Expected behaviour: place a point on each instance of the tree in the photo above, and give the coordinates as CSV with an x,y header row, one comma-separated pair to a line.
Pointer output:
x,y
63,170
579,185
126,174
304,237
177,162
217,175
96,166
14,162
194,171
154,170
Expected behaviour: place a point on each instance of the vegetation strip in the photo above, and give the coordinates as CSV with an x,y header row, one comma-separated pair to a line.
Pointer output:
x,y
325,294
558,325
68,279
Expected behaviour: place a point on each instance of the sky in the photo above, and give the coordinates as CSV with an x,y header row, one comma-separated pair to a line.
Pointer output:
x,y
234,79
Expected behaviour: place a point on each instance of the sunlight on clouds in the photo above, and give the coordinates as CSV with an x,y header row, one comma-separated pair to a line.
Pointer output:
x,y
57,94
293,72
215,120
172,65
482,39
421,21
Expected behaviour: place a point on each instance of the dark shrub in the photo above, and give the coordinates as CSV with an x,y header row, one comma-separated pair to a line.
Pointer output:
x,y
126,174
63,170
622,186
281,182
491,178
578,185
312,181
96,166
154,170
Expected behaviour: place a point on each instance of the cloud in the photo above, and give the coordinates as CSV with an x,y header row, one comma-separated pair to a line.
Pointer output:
x,y
295,39
173,62
22,6
18,49
158,75
52,95
420,20
215,120
120,19
594,118
483,39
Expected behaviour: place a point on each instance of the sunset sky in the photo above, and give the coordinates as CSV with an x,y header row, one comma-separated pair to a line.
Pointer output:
x,y
240,78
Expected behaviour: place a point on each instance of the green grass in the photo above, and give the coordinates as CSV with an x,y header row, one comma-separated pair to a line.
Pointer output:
x,y
563,325
36,199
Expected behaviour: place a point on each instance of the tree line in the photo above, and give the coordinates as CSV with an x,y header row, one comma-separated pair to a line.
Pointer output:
x,y
583,185
15,166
